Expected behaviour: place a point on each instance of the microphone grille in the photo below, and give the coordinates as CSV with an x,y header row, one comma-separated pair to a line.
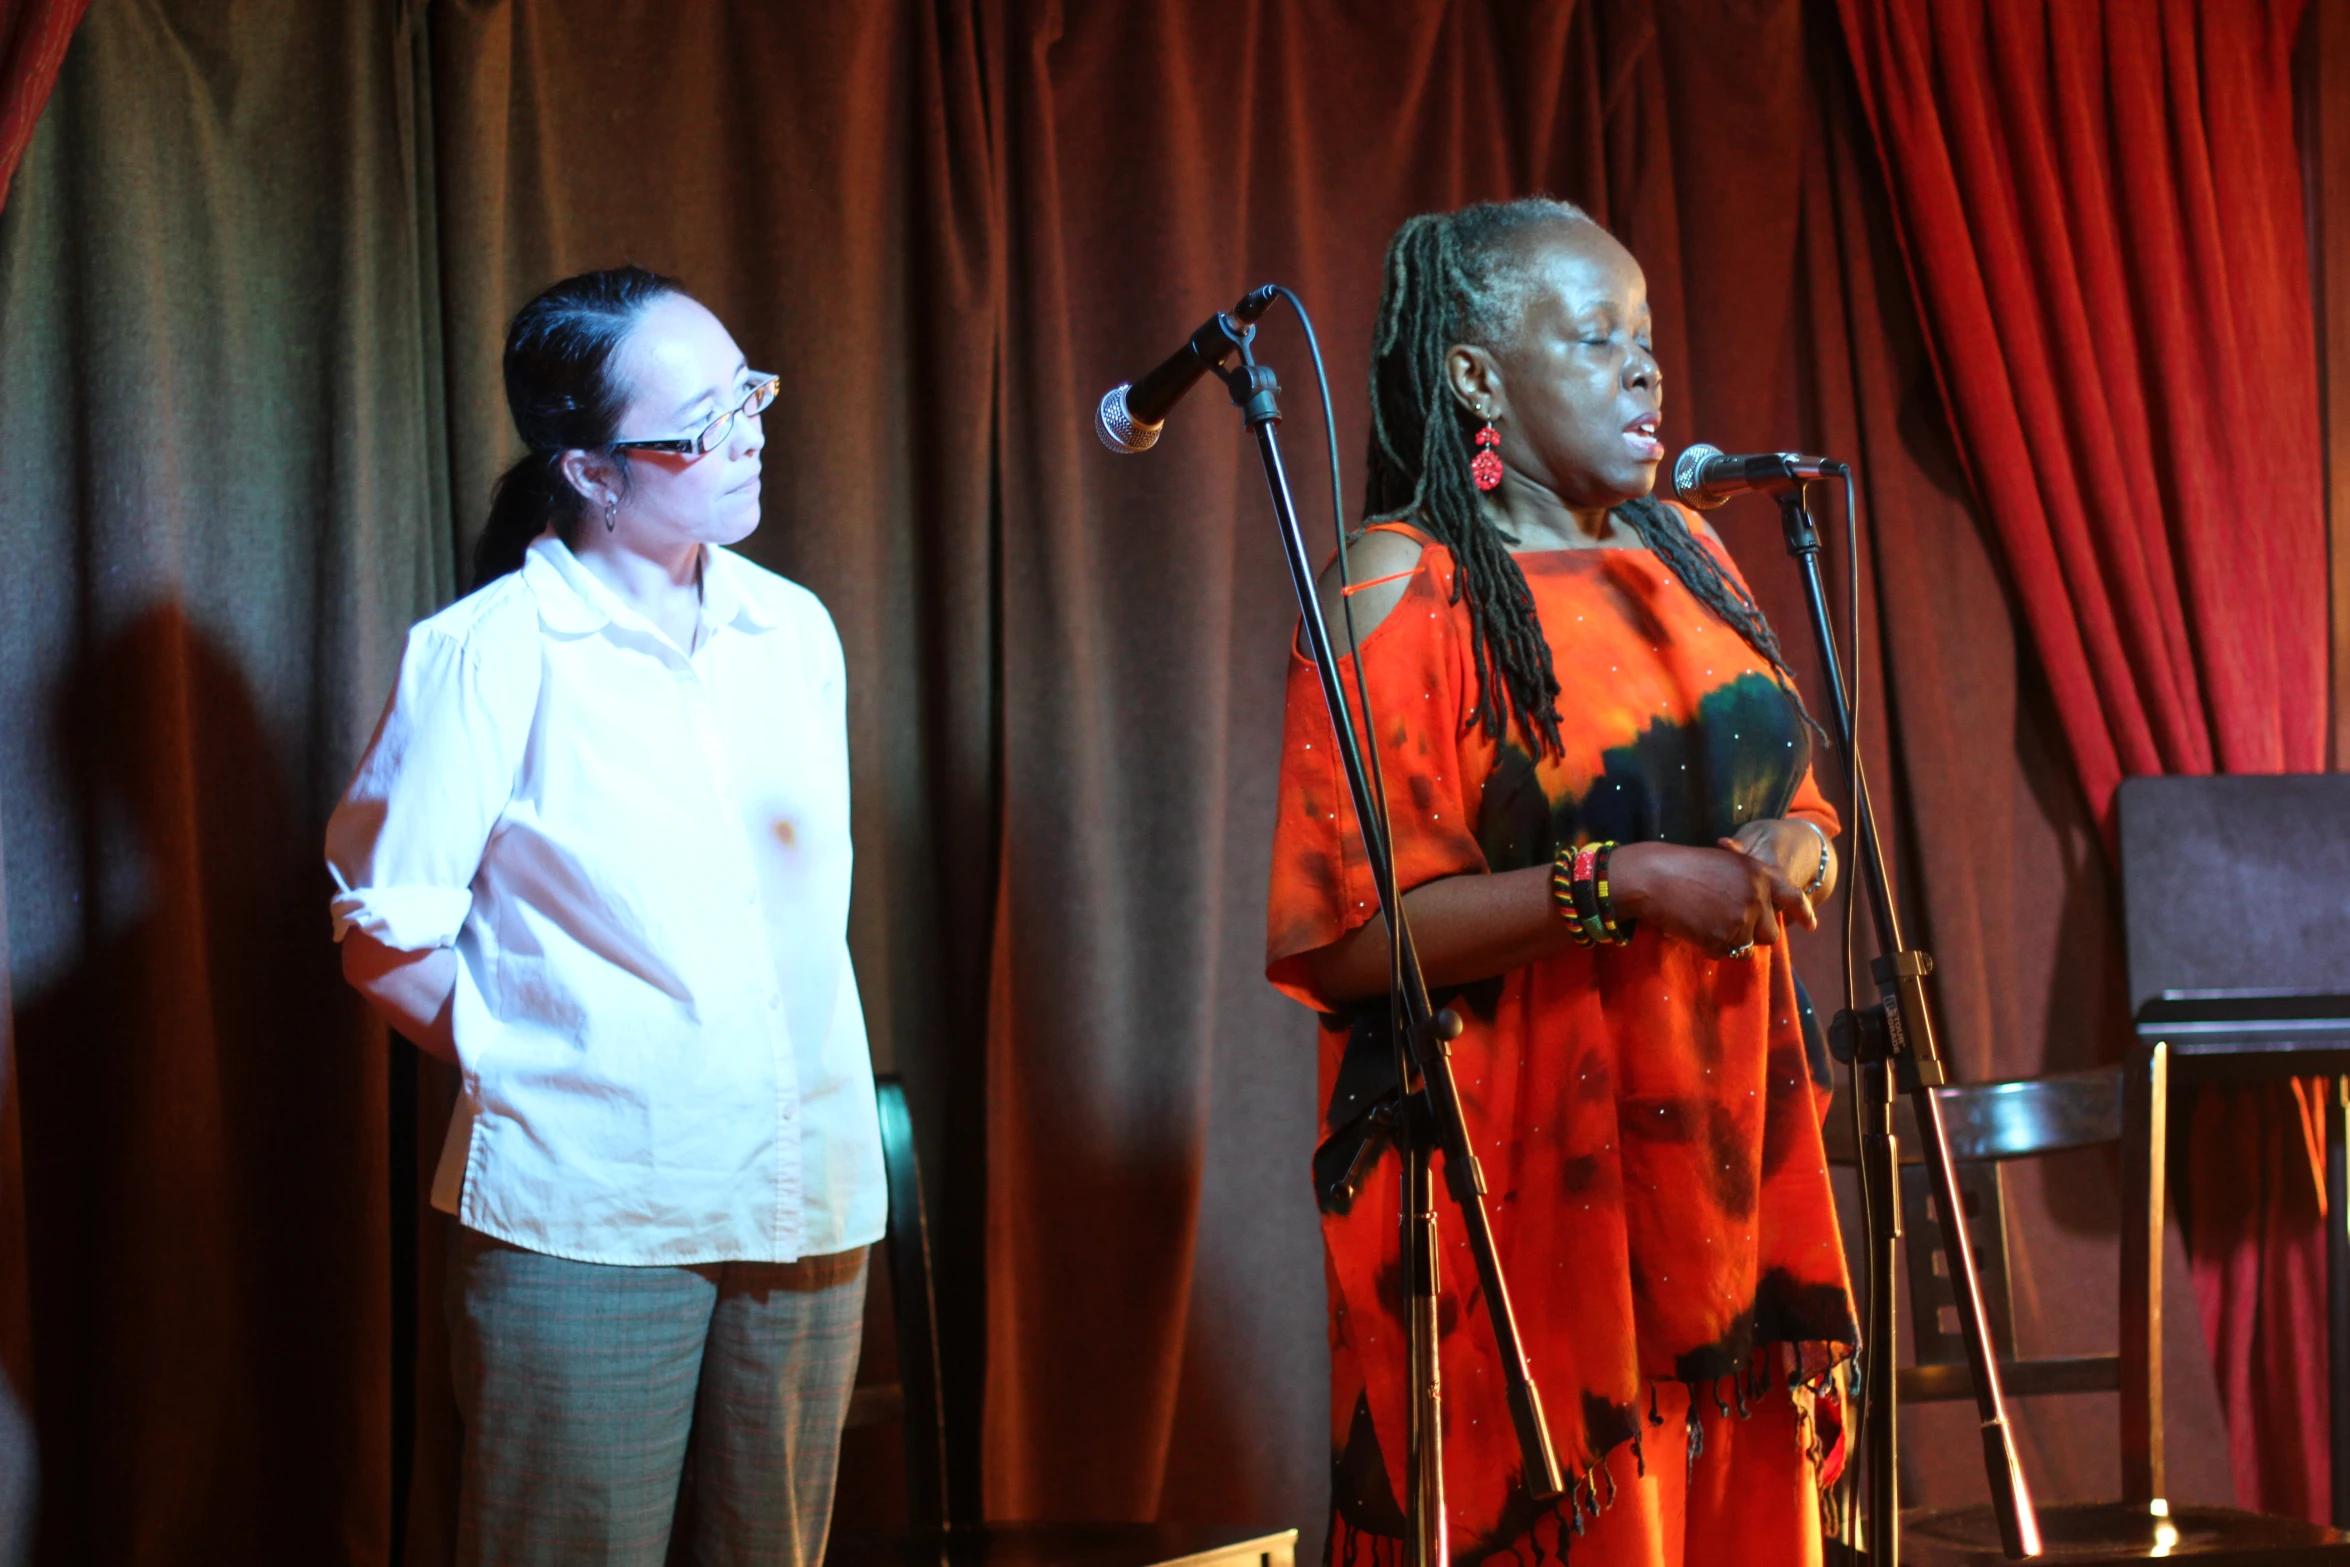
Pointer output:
x,y
1117,427
1689,477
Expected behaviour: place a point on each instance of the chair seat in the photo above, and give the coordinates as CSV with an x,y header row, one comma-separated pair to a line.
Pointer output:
x,y
1070,1545
2081,1534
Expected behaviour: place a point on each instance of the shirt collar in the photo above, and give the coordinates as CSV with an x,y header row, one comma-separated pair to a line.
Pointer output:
x,y
569,599
727,596
574,600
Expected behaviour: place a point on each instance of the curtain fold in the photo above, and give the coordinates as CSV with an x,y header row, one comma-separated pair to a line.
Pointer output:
x,y
2101,210
2103,215
33,39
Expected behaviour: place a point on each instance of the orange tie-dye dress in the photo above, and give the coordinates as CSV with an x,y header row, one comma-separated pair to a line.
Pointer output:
x,y
1648,1116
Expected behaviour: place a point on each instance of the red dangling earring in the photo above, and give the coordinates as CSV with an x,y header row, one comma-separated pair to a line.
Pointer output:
x,y
1485,467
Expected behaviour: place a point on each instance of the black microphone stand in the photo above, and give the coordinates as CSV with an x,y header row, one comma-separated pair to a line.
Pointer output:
x,y
1427,1035
1893,1048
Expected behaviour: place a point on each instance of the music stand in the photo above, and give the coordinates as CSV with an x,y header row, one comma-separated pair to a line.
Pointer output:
x,y
2236,912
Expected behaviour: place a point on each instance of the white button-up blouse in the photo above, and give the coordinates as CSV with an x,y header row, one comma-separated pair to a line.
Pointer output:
x,y
642,859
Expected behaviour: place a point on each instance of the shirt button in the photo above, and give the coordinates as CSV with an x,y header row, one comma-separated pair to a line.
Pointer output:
x,y
751,898
775,1003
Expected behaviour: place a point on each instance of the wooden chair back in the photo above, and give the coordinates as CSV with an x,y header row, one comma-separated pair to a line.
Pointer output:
x,y
917,1398
1989,1125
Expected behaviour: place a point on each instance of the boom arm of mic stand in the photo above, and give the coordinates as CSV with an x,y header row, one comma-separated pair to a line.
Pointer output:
x,y
1256,392
1909,1040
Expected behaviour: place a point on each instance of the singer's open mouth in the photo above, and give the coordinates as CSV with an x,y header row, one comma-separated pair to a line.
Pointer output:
x,y
1641,436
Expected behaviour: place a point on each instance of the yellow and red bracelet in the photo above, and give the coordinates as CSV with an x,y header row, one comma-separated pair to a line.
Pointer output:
x,y
1562,893
1579,890
1587,892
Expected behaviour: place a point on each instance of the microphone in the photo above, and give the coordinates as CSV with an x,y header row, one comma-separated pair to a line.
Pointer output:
x,y
1133,412
1703,477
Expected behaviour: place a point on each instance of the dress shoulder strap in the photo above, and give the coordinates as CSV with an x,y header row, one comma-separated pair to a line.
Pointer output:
x,y
1410,530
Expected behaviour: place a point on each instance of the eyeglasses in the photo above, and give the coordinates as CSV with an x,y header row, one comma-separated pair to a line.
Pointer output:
x,y
714,433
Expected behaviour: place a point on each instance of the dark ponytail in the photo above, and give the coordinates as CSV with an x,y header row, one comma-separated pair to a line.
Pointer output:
x,y
521,501
562,392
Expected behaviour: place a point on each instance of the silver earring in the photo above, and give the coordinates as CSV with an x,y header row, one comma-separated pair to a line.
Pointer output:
x,y
611,514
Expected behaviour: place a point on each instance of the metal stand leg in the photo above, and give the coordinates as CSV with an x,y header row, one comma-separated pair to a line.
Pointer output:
x,y
1430,1545
1880,1167
2145,1113
2338,1292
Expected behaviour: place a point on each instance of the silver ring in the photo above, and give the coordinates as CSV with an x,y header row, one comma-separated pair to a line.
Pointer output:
x,y
1738,951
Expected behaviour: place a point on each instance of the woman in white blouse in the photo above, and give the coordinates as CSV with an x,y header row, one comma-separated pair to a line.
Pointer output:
x,y
597,855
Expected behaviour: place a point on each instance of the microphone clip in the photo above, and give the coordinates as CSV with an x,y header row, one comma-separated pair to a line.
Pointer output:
x,y
1133,413
1255,390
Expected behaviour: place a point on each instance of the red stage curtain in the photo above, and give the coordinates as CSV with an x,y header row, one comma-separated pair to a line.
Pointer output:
x,y
33,36
2101,209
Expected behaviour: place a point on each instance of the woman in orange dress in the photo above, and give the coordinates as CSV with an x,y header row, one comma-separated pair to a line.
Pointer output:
x,y
1556,662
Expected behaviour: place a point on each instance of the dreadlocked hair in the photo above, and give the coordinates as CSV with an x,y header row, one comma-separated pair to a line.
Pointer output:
x,y
1448,280
1459,277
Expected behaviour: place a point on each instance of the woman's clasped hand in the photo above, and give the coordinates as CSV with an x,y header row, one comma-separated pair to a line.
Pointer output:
x,y
1723,900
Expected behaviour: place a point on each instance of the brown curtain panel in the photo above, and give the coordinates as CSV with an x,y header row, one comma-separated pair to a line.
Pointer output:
x,y
216,397
33,39
252,284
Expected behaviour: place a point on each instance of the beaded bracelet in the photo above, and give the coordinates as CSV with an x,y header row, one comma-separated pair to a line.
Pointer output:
x,y
1580,891
1562,892
1586,889
1619,932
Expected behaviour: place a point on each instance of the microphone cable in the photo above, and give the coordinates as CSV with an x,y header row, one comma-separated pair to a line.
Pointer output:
x,y
1851,705
1857,1422
1390,894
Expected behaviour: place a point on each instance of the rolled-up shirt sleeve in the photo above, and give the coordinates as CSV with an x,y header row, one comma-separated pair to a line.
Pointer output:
x,y
407,837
